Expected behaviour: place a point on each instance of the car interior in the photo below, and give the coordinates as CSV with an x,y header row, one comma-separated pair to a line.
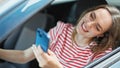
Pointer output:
x,y
20,32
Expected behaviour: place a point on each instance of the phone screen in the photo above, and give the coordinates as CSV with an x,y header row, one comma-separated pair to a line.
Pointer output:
x,y
42,39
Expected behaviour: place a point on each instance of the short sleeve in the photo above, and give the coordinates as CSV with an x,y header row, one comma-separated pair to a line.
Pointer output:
x,y
55,31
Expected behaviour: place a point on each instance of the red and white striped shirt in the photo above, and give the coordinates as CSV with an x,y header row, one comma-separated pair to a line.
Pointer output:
x,y
70,55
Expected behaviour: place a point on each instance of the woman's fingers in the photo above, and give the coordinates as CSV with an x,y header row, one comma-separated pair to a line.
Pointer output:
x,y
37,53
50,52
43,54
40,49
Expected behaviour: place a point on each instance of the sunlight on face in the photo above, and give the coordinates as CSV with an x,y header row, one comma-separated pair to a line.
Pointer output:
x,y
94,23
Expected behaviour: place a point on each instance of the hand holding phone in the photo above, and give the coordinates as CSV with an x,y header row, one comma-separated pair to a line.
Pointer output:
x,y
42,39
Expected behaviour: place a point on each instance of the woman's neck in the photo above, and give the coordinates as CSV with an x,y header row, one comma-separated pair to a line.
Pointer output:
x,y
81,41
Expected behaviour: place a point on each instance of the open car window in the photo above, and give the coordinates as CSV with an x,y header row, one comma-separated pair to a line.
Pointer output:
x,y
13,13
116,64
111,60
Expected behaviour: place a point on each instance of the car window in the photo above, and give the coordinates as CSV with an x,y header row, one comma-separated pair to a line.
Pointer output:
x,y
13,13
109,60
115,65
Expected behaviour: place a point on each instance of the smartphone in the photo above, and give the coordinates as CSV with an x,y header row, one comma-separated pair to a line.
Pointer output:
x,y
42,39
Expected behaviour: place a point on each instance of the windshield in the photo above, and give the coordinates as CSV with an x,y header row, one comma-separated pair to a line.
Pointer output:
x,y
6,5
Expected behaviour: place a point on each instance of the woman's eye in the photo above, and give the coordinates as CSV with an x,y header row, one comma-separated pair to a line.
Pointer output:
x,y
97,28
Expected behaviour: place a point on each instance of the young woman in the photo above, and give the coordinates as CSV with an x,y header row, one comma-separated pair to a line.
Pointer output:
x,y
95,35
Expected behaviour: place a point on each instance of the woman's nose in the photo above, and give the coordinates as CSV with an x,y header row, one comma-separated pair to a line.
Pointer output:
x,y
90,24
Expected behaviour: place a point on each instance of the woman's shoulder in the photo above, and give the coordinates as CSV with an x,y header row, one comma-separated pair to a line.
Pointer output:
x,y
61,23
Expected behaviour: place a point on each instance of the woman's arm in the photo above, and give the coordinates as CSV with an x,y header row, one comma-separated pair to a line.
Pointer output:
x,y
17,56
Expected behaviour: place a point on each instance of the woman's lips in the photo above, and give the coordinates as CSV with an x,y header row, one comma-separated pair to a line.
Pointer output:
x,y
84,27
